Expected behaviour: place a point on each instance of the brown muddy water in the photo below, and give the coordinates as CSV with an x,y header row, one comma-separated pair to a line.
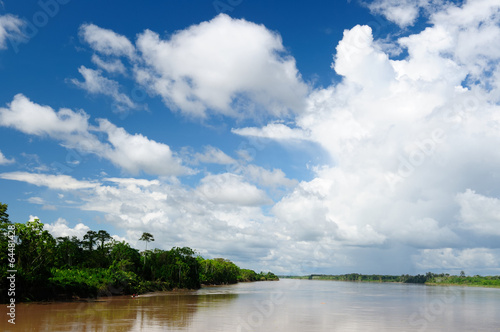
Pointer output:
x,y
286,305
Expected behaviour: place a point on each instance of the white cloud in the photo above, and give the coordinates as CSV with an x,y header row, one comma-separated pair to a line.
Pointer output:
x,y
111,66
106,41
448,258
56,182
425,233
359,62
267,178
36,200
404,12
60,228
10,29
474,29
31,118
314,212
224,66
276,131
4,160
231,189
133,153
136,152
227,66
95,83
404,137
213,155
479,213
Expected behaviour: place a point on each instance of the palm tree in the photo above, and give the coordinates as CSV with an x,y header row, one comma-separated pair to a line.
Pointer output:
x,y
147,237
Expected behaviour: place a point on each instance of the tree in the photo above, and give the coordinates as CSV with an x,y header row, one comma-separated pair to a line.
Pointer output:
x,y
90,239
4,217
103,236
147,237
4,224
122,252
68,251
35,248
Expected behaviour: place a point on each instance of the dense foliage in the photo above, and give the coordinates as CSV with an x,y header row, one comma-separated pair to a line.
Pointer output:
x,y
97,265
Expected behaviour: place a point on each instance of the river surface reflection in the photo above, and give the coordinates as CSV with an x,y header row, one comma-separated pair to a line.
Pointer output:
x,y
286,305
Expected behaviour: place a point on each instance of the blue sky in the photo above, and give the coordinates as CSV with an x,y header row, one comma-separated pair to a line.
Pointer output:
x,y
327,137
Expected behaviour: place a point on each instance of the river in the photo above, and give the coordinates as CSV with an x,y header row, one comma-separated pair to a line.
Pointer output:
x,y
285,305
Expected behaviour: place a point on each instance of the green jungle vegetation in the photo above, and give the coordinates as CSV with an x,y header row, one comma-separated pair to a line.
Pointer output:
x,y
429,279
66,268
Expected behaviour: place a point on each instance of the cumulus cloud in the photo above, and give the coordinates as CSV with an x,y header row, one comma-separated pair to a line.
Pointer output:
x,y
223,66
10,29
230,188
60,228
411,140
31,118
131,152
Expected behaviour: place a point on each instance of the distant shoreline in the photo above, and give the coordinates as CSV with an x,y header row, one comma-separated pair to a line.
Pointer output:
x,y
430,279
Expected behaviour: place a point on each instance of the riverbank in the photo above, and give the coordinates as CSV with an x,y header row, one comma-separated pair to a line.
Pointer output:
x,y
45,269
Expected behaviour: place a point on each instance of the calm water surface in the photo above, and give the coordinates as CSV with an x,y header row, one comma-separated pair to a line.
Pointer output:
x,y
286,305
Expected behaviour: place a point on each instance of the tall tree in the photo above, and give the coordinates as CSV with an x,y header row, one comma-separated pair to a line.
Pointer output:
x,y
147,237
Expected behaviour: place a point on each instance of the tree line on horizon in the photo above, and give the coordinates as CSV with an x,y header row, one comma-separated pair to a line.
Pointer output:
x,y
428,278
51,268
